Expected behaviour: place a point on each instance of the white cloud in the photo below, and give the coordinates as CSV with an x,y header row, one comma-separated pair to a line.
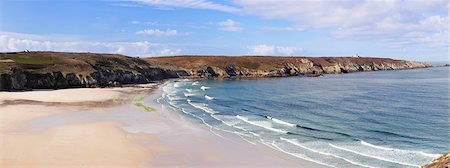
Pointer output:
x,y
157,32
20,42
263,49
229,25
287,28
193,4
287,50
167,51
429,30
376,19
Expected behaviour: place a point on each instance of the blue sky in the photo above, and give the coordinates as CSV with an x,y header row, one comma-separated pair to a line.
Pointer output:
x,y
413,29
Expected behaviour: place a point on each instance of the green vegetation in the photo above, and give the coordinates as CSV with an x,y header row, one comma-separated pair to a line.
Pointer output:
x,y
146,108
22,58
250,65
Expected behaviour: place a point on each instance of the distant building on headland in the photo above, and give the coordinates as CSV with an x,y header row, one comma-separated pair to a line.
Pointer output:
x,y
356,56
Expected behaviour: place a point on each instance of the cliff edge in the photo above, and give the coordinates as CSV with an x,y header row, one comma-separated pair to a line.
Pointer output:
x,y
440,162
56,70
274,66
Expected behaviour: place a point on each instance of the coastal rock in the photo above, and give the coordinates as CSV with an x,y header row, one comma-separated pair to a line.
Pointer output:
x,y
440,162
69,70
230,71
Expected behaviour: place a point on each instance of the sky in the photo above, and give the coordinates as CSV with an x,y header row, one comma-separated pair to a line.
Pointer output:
x,y
401,29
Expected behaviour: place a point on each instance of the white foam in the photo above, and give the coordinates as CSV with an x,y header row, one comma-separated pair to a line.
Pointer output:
x,y
169,89
432,155
195,83
268,127
202,106
301,157
209,97
189,94
254,134
204,87
375,157
189,90
177,84
230,123
281,122
173,98
399,150
294,142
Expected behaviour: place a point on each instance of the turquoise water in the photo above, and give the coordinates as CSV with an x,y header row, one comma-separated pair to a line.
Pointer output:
x,y
367,119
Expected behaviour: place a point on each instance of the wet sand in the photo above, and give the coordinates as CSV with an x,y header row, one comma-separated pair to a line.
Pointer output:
x,y
73,128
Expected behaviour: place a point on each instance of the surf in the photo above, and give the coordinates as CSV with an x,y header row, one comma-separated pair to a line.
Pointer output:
x,y
399,150
281,121
201,106
260,125
323,153
209,97
370,156
189,94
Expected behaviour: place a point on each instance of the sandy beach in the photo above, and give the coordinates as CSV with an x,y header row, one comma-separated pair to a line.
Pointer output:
x,y
107,128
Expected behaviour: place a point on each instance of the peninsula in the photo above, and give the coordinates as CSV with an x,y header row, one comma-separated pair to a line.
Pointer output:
x,y
57,70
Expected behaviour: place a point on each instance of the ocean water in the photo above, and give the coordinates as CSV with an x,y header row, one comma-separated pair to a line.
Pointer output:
x,y
366,119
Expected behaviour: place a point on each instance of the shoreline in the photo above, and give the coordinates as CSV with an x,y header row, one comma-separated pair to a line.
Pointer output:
x,y
67,132
233,148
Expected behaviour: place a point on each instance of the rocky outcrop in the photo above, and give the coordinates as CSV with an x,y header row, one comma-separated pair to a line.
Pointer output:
x,y
25,80
79,70
440,162
53,70
258,66
307,68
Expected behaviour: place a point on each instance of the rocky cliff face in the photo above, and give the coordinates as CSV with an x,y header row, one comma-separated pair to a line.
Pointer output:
x,y
55,70
226,67
24,80
70,70
440,162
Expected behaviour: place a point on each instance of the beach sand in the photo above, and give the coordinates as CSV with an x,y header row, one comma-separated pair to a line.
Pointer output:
x,y
104,128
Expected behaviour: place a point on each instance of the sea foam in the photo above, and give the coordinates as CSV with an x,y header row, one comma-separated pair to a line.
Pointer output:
x,y
399,150
189,94
281,122
268,127
294,142
371,156
209,97
201,106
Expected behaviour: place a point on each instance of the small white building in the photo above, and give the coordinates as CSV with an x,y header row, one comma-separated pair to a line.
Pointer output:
x,y
356,55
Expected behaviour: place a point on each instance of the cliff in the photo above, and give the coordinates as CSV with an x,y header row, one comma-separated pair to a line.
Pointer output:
x,y
56,70
440,162
271,66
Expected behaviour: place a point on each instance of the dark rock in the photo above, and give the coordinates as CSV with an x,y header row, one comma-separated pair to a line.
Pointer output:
x,y
230,71
210,72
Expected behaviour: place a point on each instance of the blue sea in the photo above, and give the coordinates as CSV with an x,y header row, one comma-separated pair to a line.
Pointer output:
x,y
365,119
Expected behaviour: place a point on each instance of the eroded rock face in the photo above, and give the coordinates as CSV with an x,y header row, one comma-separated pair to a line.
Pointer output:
x,y
304,68
440,162
25,80
103,70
